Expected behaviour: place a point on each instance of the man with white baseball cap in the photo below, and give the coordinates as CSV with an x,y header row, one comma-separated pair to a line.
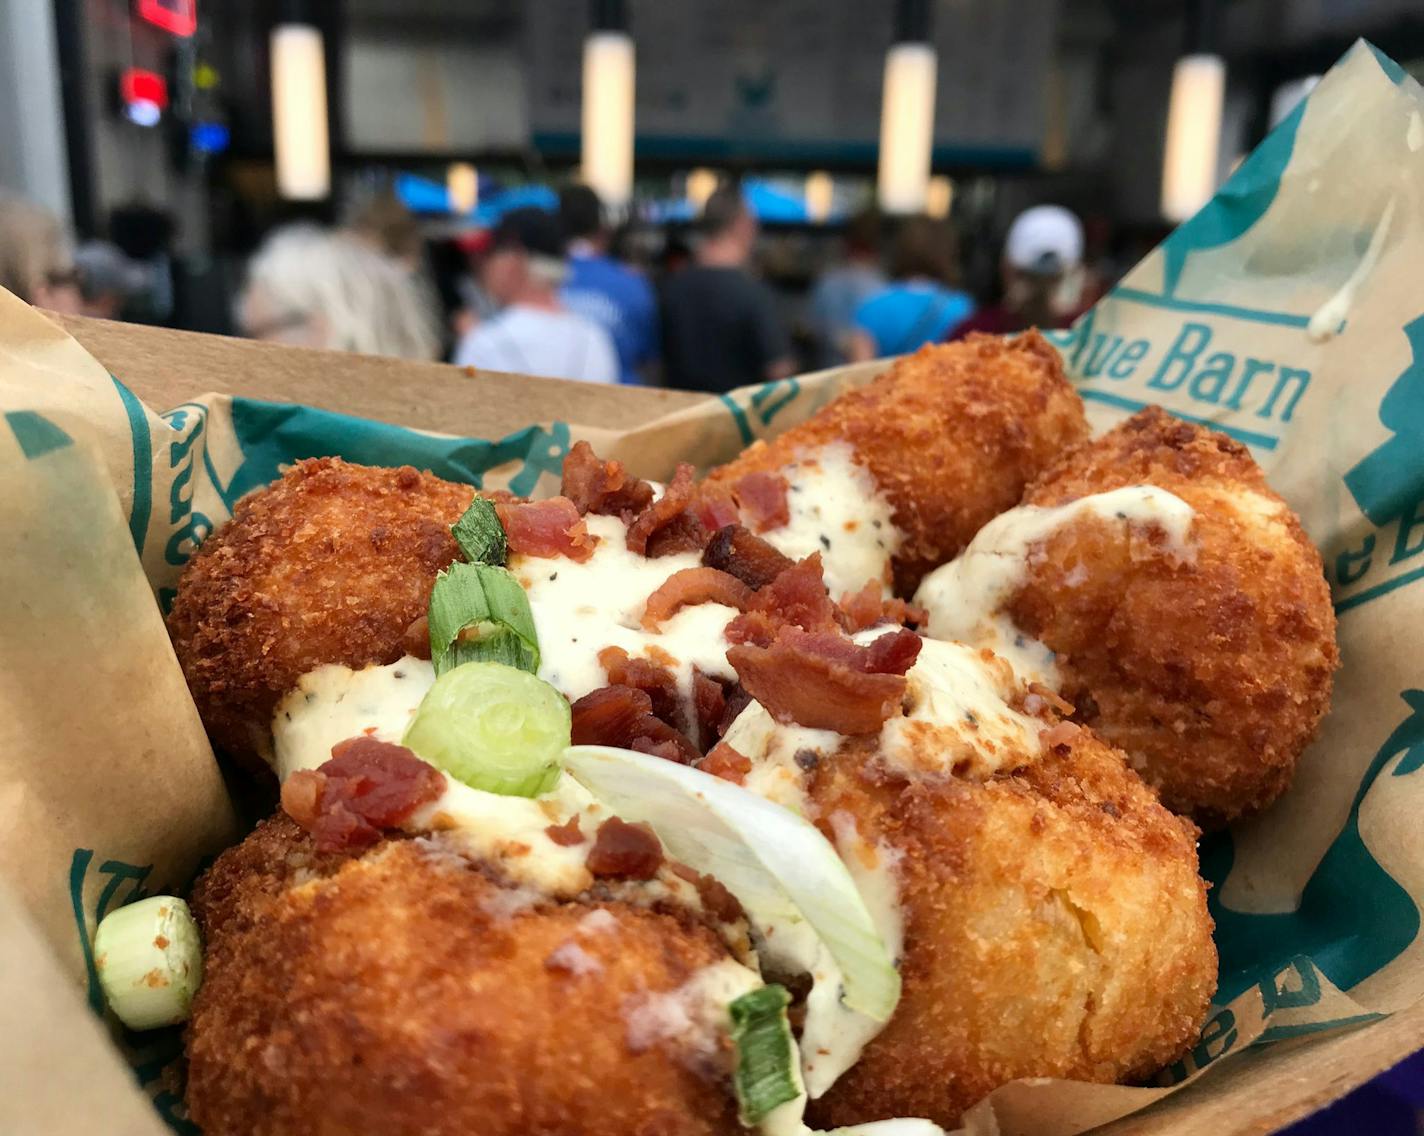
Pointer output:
x,y
1041,272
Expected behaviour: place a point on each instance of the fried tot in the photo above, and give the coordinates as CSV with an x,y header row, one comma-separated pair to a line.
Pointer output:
x,y
1211,672
330,564
405,992
950,435
1055,926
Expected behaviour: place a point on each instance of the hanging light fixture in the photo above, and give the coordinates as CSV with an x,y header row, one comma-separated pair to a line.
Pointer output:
x,y
299,122
820,192
700,185
1189,164
462,187
940,197
608,86
907,112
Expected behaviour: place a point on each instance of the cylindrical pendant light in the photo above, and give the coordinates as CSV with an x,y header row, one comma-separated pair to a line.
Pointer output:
x,y
462,187
820,193
907,112
700,184
1189,165
608,87
299,131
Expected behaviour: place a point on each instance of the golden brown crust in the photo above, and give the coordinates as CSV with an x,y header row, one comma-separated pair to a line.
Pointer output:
x,y
406,993
1212,674
329,564
1055,925
951,435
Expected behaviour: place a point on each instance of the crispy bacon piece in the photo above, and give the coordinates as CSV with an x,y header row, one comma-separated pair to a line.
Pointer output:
x,y
416,639
796,598
566,834
709,700
869,606
825,681
368,786
737,700
715,508
551,527
739,552
623,716
762,499
649,676
716,899
670,523
604,487
692,586
625,851
725,762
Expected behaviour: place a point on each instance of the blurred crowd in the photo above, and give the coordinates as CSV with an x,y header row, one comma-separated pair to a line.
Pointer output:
x,y
546,291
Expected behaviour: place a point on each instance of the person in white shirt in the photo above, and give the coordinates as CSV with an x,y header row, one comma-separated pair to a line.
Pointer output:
x,y
533,334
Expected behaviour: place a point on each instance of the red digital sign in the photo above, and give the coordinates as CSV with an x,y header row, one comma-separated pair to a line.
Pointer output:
x,y
177,16
139,86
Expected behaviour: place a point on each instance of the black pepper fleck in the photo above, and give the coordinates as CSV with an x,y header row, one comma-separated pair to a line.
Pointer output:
x,y
825,542
398,674
807,759
553,576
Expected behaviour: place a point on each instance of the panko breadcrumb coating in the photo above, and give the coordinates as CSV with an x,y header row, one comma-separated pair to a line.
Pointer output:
x,y
330,564
1212,674
1055,926
404,992
951,435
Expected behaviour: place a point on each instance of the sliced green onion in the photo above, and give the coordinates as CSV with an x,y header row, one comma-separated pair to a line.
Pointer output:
x,y
481,614
785,874
900,1126
149,956
768,1065
480,535
493,727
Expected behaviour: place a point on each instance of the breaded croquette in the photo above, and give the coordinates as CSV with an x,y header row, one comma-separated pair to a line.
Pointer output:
x,y
950,436
1211,671
330,564
406,992
1055,926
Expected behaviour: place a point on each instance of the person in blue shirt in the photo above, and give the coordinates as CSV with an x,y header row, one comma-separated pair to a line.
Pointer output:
x,y
922,304
846,285
600,288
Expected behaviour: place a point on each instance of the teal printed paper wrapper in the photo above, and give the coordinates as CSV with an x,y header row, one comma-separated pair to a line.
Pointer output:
x,y
1286,314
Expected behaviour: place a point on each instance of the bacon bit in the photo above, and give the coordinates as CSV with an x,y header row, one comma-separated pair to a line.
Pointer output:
x,y
603,487
1041,700
623,716
796,598
739,552
368,786
868,607
720,903
715,508
666,526
625,851
725,762
692,586
762,498
654,680
565,835
1061,735
546,528
738,699
416,640
825,681
709,699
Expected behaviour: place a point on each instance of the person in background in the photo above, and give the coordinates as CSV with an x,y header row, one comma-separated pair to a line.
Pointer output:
x,y
533,334
600,288
35,261
720,327
312,287
1041,274
842,288
923,304
108,280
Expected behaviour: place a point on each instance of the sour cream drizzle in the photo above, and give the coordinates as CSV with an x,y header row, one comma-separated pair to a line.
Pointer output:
x,y
965,598
837,510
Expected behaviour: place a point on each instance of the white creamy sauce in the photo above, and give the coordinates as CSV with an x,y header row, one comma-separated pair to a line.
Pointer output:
x,y
581,608
965,598
333,703
773,750
836,509
957,718
694,1017
571,958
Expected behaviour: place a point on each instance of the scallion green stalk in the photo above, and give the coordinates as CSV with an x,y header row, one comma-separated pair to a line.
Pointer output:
x,y
480,535
767,1059
481,614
